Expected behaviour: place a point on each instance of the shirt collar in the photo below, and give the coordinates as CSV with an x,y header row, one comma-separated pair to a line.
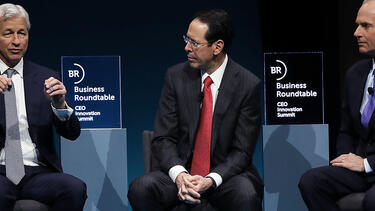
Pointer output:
x,y
217,75
18,67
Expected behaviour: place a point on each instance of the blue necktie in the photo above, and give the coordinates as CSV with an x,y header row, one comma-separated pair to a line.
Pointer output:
x,y
369,108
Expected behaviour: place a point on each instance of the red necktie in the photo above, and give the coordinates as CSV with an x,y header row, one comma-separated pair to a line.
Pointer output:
x,y
201,157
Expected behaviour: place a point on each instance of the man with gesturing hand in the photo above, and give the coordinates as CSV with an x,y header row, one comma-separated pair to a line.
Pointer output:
x,y
32,103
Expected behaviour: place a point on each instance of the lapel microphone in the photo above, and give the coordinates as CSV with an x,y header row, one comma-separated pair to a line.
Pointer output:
x,y
370,90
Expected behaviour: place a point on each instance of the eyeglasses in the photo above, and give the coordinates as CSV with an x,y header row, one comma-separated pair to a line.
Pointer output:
x,y
193,43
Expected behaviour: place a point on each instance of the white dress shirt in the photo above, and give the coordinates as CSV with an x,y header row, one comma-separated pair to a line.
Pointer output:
x,y
366,96
216,77
29,151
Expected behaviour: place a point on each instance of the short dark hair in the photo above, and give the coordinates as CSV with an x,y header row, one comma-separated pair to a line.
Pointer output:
x,y
220,26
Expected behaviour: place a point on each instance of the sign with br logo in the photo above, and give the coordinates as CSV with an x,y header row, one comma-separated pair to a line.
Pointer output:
x,y
93,85
293,84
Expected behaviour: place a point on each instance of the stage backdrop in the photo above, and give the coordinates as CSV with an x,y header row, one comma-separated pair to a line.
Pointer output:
x,y
148,37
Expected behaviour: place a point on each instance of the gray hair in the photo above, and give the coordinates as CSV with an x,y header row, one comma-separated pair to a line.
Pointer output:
x,y
365,1
12,11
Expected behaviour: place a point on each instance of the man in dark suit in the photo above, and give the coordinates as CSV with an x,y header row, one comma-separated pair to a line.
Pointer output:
x,y
353,170
207,124
38,99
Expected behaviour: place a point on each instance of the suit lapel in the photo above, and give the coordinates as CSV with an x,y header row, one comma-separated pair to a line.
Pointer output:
x,y
226,91
193,92
32,87
192,89
358,100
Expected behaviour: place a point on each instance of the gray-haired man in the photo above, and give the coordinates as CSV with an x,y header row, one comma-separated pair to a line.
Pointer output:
x,y
32,102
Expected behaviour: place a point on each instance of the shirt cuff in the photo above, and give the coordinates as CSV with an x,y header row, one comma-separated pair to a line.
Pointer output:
x,y
175,171
216,177
368,168
62,114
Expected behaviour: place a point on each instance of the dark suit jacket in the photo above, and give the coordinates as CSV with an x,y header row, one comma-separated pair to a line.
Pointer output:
x,y
353,137
235,127
40,116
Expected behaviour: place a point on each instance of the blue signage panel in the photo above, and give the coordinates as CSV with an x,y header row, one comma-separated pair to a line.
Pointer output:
x,y
99,157
288,152
93,85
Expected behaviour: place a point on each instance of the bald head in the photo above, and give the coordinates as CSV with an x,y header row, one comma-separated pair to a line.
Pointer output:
x,y
367,8
365,1
365,32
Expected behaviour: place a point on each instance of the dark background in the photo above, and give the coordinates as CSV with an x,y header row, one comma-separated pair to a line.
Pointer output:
x,y
148,37
326,26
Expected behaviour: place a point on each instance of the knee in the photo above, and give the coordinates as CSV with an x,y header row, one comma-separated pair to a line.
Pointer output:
x,y
308,180
241,196
7,197
141,187
248,198
75,188
368,202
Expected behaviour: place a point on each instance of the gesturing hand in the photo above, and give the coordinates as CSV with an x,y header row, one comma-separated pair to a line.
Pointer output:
x,y
5,82
55,91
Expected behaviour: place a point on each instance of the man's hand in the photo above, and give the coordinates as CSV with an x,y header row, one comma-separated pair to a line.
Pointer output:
x,y
187,194
350,161
5,82
200,183
55,92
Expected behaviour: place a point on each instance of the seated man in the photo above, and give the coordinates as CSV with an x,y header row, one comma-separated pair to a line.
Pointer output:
x,y
353,170
32,102
206,128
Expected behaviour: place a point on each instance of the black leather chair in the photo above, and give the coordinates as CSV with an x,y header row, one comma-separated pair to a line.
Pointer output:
x,y
149,162
30,205
351,202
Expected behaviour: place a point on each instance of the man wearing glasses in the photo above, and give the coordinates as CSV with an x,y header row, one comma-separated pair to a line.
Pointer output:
x,y
206,128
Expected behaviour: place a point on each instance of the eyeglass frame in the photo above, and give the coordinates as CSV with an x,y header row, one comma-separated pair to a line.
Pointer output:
x,y
194,44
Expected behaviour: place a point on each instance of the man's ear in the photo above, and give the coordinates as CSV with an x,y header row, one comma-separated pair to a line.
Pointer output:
x,y
218,47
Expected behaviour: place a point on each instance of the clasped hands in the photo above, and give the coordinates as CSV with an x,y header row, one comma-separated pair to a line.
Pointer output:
x,y
190,187
350,161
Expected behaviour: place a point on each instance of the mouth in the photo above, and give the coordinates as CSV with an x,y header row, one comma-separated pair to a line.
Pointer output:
x,y
15,51
191,59
361,43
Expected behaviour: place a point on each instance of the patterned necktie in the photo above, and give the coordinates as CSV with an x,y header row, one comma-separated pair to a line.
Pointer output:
x,y
13,152
369,108
201,156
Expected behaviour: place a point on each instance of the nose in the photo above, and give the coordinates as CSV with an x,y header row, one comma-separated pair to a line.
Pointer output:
x,y
357,32
16,39
188,47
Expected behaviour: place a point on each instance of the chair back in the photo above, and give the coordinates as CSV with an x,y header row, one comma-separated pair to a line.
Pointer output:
x,y
147,137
